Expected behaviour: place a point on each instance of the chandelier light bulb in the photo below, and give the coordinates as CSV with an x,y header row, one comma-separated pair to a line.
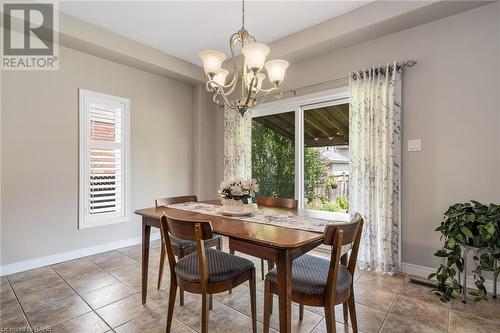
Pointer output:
x,y
255,55
276,70
260,78
220,76
212,61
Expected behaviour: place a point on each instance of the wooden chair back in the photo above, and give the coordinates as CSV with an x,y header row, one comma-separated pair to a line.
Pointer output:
x,y
338,235
277,202
190,230
331,288
173,200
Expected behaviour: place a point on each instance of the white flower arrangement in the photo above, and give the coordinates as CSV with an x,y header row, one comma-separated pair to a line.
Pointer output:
x,y
238,189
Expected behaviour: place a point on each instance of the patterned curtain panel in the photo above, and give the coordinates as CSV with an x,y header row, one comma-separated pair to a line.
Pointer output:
x,y
237,145
375,153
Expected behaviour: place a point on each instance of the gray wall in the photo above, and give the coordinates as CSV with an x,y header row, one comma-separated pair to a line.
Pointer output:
x,y
449,101
39,138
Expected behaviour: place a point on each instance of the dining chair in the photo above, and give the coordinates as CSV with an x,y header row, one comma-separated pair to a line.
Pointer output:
x,y
272,202
321,282
206,271
182,247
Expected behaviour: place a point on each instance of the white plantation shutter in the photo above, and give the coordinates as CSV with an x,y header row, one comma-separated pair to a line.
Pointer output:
x,y
104,156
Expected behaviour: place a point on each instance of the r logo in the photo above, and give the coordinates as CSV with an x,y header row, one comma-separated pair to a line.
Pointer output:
x,y
28,29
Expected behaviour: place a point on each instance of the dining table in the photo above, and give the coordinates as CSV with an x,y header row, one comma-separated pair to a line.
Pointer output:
x,y
270,233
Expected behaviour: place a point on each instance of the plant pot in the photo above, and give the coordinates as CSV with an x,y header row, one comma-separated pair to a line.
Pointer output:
x,y
475,241
231,205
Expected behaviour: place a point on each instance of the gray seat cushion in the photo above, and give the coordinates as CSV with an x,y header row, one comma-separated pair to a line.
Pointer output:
x,y
222,266
189,246
310,275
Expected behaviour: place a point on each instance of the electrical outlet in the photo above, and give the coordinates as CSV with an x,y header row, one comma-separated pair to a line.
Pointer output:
x,y
415,145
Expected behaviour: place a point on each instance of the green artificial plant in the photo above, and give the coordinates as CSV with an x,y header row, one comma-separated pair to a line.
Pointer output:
x,y
472,224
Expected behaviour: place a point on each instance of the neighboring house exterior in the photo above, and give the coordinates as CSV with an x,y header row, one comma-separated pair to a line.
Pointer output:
x,y
338,158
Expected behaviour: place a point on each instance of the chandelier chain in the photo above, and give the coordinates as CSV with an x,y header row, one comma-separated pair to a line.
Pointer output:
x,y
243,13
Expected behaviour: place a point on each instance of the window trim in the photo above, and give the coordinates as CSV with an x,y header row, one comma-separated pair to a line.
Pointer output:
x,y
299,105
85,96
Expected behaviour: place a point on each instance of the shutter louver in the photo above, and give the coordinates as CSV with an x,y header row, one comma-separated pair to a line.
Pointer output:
x,y
104,158
105,181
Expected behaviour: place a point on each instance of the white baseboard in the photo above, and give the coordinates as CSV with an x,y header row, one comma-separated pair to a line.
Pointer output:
x,y
423,272
70,255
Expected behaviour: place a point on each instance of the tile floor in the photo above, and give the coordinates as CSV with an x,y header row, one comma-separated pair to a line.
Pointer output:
x,y
101,293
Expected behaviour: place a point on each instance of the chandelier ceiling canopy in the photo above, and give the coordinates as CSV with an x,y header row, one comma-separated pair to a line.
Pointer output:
x,y
251,75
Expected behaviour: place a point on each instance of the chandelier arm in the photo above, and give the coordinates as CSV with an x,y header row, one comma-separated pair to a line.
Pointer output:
x,y
267,93
273,89
232,41
250,87
220,92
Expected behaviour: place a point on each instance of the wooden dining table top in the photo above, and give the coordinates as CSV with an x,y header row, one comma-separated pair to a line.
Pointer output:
x,y
260,233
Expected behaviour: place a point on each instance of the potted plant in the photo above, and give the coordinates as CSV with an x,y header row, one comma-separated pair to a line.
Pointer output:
x,y
236,193
473,224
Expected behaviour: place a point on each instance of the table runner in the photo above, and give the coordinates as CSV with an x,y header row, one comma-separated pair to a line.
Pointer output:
x,y
277,219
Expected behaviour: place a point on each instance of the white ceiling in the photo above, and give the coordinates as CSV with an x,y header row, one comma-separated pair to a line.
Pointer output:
x,y
183,28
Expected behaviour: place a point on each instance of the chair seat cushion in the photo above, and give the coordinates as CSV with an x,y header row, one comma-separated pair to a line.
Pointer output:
x,y
222,266
310,275
189,246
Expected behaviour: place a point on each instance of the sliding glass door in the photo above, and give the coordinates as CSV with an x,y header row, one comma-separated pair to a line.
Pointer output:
x,y
300,149
326,156
273,154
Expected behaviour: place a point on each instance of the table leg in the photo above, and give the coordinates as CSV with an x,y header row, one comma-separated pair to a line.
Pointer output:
x,y
146,231
284,271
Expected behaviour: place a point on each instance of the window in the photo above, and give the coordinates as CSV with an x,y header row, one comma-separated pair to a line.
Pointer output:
x,y
273,154
300,149
104,194
326,156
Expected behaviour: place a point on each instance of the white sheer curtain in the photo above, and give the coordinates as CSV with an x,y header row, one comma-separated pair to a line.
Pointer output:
x,y
375,153
237,145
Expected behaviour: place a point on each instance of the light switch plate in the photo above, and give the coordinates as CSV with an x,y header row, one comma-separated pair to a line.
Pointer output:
x,y
415,145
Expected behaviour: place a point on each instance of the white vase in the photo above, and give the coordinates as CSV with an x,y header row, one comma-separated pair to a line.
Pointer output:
x,y
231,205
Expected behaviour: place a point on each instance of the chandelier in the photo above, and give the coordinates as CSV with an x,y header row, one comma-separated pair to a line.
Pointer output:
x,y
250,75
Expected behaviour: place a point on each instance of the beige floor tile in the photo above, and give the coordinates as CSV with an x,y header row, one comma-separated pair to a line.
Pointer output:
x,y
33,274
380,281
120,312
9,309
113,260
134,252
420,293
87,323
47,312
340,328
16,322
32,285
409,309
485,309
391,326
153,321
44,292
132,276
107,295
90,281
222,318
378,298
467,323
160,296
6,293
75,267
368,319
